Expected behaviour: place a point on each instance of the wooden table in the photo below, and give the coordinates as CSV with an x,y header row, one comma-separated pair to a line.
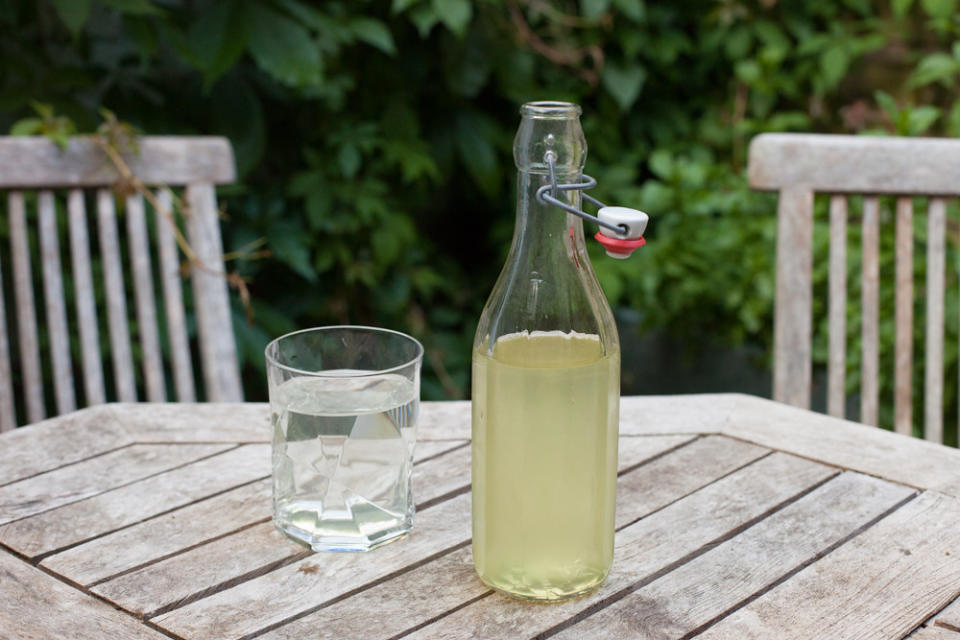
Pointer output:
x,y
737,517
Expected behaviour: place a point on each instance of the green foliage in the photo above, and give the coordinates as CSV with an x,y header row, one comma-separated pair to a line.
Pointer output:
x,y
373,138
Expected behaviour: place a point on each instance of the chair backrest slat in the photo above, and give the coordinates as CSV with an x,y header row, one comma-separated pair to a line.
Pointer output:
x,y
792,326
120,351
56,311
8,414
173,299
903,348
837,360
26,308
218,351
800,165
101,260
139,247
870,302
85,299
936,273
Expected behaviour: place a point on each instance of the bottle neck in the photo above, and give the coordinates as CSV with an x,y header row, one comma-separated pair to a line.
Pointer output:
x,y
545,232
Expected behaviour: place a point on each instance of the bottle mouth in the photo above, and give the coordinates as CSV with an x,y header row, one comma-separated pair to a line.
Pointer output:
x,y
550,109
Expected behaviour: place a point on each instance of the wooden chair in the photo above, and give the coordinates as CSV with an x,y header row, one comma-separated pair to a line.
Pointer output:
x,y
799,165
37,164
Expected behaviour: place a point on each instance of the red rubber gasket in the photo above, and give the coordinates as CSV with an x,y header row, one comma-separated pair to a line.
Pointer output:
x,y
619,245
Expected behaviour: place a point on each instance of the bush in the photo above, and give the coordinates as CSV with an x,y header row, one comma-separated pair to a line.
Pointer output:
x,y
373,139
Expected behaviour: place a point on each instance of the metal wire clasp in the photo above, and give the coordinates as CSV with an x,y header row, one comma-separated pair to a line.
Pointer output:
x,y
547,194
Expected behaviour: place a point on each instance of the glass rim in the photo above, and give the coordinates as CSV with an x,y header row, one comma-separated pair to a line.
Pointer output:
x,y
550,109
271,361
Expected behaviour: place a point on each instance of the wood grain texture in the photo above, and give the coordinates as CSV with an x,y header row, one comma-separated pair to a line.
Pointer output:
x,y
444,420
837,309
44,447
934,633
903,349
182,364
697,413
850,445
950,616
120,350
792,313
26,308
106,512
55,304
200,422
94,476
145,300
218,351
391,607
8,415
171,160
933,369
38,606
164,535
855,164
308,582
870,314
710,585
85,296
881,584
646,547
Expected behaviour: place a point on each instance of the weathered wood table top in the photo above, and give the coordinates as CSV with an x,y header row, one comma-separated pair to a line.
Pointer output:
x,y
736,518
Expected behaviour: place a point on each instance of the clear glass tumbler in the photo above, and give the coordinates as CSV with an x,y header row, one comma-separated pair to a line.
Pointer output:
x,y
344,403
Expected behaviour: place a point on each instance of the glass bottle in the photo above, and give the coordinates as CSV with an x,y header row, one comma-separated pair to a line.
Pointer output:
x,y
546,389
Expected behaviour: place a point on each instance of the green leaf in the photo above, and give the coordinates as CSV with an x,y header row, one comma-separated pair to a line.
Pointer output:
x,y
218,39
424,18
942,9
454,14
593,9
283,48
888,104
953,120
624,83
74,13
661,164
901,7
26,127
288,242
135,7
399,6
349,160
374,33
834,62
936,67
633,9
920,119
477,154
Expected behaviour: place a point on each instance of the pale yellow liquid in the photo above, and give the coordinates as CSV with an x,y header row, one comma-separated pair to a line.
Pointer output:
x,y
545,419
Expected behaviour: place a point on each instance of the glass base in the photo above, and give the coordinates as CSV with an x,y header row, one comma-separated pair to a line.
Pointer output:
x,y
342,534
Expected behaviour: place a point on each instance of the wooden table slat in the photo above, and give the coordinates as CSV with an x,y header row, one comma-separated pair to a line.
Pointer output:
x,y
95,476
649,546
881,584
703,589
36,605
934,633
106,512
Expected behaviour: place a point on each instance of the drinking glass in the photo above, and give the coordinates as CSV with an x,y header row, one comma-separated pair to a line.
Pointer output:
x,y
344,403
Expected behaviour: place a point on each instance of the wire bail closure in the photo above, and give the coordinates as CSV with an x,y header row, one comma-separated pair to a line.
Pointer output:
x,y
547,194
626,224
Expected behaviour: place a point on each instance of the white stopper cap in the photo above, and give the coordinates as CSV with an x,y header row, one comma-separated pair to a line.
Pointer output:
x,y
633,219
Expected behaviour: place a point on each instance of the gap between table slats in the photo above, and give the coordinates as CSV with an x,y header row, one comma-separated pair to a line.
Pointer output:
x,y
173,299
837,364
870,302
145,301
933,369
120,350
26,308
903,350
56,312
83,291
